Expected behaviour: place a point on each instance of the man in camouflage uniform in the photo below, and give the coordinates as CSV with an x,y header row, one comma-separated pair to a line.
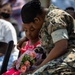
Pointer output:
x,y
58,25
67,67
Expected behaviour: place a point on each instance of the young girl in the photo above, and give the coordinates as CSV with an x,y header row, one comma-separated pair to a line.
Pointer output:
x,y
31,46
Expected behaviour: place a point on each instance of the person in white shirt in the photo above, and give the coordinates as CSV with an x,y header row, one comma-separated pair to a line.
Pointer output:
x,y
7,33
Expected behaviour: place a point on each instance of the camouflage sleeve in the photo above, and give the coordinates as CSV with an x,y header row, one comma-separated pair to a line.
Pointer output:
x,y
61,26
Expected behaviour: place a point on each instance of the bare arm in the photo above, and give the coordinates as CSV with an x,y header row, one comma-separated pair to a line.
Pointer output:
x,y
59,49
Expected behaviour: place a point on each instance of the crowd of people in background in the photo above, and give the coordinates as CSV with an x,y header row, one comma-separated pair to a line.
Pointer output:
x,y
15,16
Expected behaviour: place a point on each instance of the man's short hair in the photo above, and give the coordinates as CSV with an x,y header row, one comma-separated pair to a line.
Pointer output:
x,y
69,8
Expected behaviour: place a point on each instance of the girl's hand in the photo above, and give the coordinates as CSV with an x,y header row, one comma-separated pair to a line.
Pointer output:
x,y
20,42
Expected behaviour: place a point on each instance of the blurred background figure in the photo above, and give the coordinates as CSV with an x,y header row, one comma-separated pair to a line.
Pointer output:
x,y
16,9
7,33
7,10
0,5
64,3
71,11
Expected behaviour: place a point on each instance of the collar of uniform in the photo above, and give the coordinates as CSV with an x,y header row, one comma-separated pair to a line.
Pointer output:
x,y
52,7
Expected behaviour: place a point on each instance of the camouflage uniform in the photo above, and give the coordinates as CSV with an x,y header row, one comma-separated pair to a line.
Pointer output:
x,y
74,25
58,25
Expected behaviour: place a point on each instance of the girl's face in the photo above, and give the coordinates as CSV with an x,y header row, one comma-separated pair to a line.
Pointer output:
x,y
30,31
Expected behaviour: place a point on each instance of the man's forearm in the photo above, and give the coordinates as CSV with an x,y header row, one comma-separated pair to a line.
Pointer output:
x,y
59,49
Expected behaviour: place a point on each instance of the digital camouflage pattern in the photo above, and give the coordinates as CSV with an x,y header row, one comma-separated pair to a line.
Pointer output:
x,y
64,65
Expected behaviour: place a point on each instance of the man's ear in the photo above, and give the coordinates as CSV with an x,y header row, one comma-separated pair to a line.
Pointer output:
x,y
36,20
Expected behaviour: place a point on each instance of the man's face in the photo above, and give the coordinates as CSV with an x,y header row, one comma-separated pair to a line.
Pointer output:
x,y
38,22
